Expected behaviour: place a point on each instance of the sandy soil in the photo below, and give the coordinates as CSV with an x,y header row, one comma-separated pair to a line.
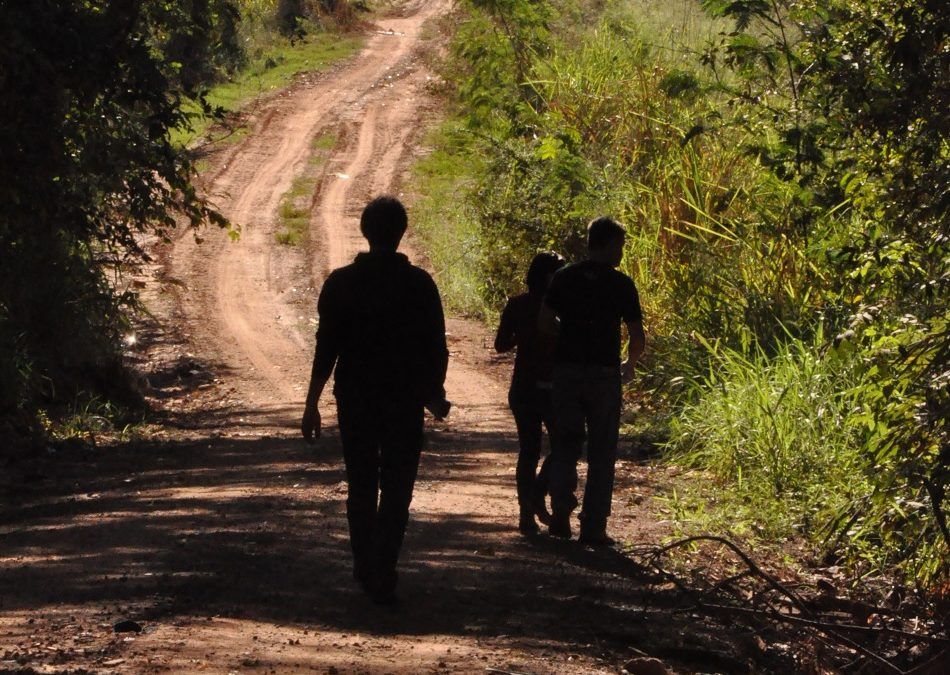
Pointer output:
x,y
223,535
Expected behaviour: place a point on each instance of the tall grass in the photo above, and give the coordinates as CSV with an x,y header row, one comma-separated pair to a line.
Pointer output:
x,y
780,434
680,27
443,220
620,125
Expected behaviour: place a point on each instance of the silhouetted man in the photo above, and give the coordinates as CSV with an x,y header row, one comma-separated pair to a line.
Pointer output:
x,y
584,307
381,325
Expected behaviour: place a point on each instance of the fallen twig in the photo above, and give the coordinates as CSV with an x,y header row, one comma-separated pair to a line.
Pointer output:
x,y
772,581
830,629
728,580
814,623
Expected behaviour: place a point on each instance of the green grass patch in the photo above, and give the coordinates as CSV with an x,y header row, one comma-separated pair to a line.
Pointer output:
x,y
274,68
782,438
294,211
323,142
289,237
443,221
87,421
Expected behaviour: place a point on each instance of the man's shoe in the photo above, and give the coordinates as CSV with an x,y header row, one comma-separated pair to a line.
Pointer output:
x,y
560,527
598,539
527,526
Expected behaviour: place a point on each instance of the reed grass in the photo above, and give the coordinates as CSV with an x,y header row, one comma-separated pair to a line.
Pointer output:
x,y
779,433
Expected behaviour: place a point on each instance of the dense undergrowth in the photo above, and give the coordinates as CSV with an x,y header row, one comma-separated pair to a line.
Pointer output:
x,y
783,174
97,100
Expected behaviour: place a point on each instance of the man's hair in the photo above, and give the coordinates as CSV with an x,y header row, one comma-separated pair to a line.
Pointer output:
x,y
603,231
384,221
541,267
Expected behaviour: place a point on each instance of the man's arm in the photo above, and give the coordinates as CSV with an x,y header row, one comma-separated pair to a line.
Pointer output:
x,y
547,327
636,342
324,359
633,318
505,339
310,424
437,353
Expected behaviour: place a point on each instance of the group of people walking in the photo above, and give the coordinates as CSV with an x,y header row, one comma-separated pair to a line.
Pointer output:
x,y
382,331
568,377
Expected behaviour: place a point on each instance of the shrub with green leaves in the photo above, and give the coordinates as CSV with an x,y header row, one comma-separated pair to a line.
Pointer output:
x,y
852,103
605,121
95,101
89,168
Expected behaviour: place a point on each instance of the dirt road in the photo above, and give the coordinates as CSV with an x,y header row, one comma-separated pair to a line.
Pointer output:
x,y
224,536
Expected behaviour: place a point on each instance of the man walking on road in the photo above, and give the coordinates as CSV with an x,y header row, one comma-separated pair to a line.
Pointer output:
x,y
584,307
381,325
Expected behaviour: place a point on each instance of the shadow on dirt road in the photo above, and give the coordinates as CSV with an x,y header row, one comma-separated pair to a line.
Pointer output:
x,y
254,529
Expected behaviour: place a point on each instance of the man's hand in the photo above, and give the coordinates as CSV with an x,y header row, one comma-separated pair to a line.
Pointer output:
x,y
627,370
310,425
439,407
635,345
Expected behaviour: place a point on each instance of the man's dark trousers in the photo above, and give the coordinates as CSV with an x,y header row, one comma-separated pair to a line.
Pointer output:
x,y
531,407
382,439
586,402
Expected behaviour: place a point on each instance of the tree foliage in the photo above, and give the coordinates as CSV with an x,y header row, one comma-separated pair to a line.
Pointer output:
x,y
859,95
89,91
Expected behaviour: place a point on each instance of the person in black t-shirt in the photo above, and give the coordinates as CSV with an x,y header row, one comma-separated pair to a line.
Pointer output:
x,y
530,394
584,308
382,328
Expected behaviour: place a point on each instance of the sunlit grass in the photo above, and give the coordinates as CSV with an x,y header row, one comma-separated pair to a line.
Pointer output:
x,y
294,212
443,221
676,26
782,436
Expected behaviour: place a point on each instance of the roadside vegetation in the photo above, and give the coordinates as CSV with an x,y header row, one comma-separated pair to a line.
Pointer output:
x,y
272,65
446,222
99,101
782,169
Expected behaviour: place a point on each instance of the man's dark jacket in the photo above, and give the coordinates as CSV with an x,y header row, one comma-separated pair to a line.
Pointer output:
x,y
381,323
